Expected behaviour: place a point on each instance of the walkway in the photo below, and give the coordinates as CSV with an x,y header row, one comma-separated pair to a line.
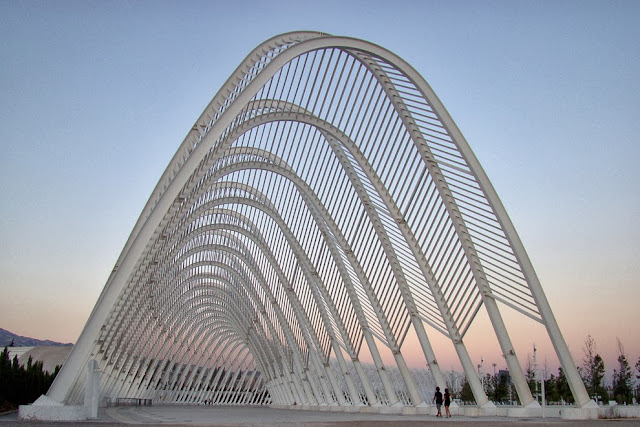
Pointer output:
x,y
263,416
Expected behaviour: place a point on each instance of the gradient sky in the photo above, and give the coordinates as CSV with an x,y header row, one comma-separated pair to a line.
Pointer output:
x,y
97,96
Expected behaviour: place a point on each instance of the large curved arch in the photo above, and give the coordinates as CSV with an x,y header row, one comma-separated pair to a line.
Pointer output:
x,y
327,194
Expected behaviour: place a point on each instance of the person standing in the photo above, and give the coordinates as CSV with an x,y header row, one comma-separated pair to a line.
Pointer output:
x,y
438,399
447,402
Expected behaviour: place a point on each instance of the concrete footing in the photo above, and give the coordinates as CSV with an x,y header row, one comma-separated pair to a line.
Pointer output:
x,y
614,410
47,409
533,411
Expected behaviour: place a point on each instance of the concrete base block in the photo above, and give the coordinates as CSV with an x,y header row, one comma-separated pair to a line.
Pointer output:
x,y
47,409
425,410
409,410
487,410
470,411
619,411
346,408
520,412
390,409
579,413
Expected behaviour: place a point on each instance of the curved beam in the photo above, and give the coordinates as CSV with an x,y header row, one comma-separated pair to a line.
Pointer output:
x,y
458,241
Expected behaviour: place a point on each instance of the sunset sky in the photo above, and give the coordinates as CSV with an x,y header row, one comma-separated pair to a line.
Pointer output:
x,y
97,96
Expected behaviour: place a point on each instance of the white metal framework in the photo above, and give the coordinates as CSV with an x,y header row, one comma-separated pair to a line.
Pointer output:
x,y
323,205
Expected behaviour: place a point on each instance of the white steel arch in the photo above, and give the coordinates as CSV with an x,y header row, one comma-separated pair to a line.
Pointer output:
x,y
323,205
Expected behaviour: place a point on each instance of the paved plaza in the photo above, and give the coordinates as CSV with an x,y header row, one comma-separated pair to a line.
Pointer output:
x,y
264,416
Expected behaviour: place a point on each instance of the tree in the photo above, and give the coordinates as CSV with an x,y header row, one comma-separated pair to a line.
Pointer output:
x,y
551,390
466,395
638,377
622,378
6,380
562,387
20,385
491,383
502,388
530,375
593,369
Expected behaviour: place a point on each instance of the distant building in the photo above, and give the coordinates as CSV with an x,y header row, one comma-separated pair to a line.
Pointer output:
x,y
506,373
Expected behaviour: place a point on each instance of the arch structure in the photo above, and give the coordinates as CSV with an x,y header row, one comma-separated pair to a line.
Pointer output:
x,y
322,207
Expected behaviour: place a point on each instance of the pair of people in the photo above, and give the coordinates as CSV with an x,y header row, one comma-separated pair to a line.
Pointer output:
x,y
438,398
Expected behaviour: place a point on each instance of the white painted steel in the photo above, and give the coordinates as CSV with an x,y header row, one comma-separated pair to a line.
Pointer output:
x,y
322,206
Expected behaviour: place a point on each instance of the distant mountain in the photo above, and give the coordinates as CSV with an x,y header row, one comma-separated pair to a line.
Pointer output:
x,y
19,341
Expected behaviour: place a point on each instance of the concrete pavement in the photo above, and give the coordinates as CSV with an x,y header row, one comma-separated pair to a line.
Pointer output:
x,y
264,416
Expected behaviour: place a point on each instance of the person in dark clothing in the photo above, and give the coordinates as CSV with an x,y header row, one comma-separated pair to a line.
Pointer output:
x,y
447,402
438,399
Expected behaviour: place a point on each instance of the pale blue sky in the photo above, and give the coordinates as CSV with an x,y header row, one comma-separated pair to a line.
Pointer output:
x,y
97,96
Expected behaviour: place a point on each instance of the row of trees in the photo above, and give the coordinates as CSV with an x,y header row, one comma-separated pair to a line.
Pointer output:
x,y
499,390
593,369
20,385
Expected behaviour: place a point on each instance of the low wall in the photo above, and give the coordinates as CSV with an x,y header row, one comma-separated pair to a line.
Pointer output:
x,y
619,411
552,411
